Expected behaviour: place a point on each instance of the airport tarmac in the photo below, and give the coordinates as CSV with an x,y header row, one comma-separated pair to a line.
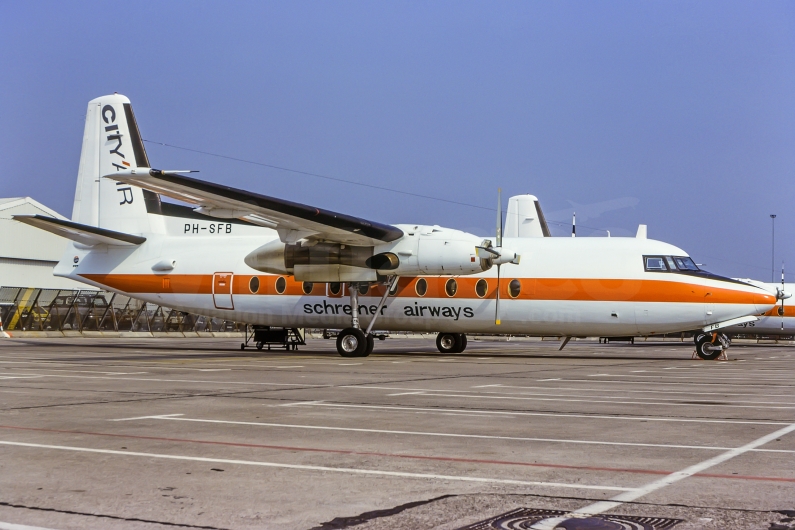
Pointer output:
x,y
194,433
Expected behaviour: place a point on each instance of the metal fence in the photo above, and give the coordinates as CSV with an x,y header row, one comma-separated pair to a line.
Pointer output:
x,y
32,309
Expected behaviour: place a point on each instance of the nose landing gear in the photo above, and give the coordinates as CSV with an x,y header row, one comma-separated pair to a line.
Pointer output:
x,y
710,346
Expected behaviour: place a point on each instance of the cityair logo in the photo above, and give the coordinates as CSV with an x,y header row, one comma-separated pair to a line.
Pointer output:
x,y
114,139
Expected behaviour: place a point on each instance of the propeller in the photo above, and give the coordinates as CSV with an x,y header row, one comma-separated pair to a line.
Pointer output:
x,y
496,255
499,245
782,295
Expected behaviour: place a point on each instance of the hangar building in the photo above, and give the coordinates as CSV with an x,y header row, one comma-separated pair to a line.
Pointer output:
x,y
27,254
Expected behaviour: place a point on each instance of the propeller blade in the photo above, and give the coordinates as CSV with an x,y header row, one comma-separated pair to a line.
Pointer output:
x,y
499,217
486,253
497,307
499,246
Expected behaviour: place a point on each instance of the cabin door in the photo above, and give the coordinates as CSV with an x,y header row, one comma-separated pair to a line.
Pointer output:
x,y
222,290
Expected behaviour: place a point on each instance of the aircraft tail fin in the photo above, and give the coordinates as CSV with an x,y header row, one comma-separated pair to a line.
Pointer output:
x,y
524,218
111,142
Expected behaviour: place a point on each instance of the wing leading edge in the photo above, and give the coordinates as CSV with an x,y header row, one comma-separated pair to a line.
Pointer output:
x,y
292,220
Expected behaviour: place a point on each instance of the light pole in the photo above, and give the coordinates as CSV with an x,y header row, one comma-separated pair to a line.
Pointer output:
x,y
773,249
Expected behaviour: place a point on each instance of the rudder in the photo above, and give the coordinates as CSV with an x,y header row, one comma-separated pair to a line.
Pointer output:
x,y
111,143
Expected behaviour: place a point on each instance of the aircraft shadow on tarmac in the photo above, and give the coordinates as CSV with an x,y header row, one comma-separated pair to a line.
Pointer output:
x,y
205,350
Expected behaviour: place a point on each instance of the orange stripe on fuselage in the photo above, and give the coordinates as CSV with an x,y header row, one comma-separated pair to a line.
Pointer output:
x,y
571,289
789,311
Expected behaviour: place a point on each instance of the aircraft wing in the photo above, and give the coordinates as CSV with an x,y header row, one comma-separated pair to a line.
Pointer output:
x,y
85,234
292,220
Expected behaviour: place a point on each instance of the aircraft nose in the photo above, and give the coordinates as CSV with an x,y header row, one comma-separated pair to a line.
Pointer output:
x,y
764,302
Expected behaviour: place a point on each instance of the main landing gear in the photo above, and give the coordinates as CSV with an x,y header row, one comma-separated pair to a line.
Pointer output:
x,y
451,342
352,341
712,345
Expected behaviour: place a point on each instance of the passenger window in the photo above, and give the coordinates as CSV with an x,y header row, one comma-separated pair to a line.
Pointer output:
x,y
421,287
481,288
451,287
514,288
686,264
655,264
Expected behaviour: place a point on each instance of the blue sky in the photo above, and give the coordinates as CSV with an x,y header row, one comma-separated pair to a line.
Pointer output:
x,y
684,109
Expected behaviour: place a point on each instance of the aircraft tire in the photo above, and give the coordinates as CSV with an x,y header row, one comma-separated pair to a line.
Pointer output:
x,y
448,342
370,344
702,341
351,342
462,343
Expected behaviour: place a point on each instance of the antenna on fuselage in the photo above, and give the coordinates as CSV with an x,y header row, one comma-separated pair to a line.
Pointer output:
x,y
574,224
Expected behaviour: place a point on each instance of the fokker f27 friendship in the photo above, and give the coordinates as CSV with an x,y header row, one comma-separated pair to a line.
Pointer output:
x,y
266,261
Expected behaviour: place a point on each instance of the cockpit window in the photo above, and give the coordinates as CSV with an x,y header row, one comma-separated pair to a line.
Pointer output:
x,y
671,264
655,264
686,264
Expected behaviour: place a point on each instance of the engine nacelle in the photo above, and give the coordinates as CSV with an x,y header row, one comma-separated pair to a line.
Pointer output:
x,y
422,250
437,251
318,262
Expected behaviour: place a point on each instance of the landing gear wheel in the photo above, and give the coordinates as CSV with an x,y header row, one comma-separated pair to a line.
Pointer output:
x,y
351,342
704,346
447,342
370,344
463,345
451,342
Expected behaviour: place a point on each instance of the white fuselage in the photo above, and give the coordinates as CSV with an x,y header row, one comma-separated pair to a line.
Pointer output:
x,y
567,286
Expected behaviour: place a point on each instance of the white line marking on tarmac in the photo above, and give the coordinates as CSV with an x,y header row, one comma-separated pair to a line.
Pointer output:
x,y
673,401
688,392
13,526
588,399
178,417
720,377
298,403
158,417
169,380
657,383
603,506
286,366
551,414
88,371
406,393
357,471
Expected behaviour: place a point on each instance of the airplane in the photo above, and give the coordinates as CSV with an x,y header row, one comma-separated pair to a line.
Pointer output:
x,y
779,320
267,261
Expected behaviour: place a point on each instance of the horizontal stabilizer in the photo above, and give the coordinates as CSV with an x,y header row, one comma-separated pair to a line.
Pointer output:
x,y
85,234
